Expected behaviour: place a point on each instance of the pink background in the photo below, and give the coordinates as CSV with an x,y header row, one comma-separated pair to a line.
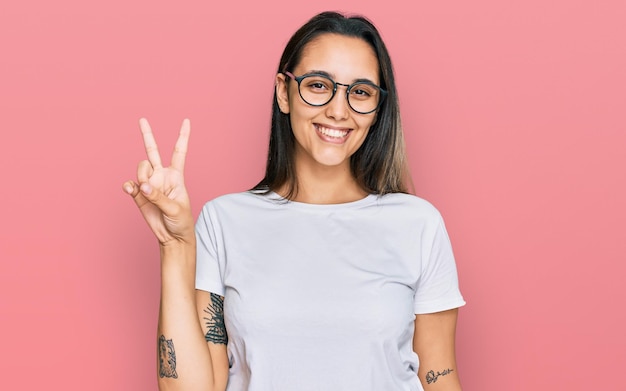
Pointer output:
x,y
514,114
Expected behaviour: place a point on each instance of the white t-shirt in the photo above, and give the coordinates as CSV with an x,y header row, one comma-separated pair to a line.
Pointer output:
x,y
324,297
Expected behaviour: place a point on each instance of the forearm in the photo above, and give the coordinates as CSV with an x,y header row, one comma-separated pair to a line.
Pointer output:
x,y
184,361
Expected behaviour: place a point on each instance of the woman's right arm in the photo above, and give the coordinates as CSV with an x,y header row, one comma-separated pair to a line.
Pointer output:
x,y
184,359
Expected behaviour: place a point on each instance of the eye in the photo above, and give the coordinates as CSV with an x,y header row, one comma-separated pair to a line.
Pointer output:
x,y
363,91
317,84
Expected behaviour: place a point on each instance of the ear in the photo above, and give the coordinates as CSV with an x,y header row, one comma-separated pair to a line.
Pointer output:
x,y
282,93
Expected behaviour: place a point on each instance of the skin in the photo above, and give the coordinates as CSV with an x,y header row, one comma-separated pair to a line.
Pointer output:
x,y
323,163
162,199
434,343
324,177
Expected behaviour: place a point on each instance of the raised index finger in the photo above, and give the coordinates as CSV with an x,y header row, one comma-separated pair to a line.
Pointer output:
x,y
150,143
180,149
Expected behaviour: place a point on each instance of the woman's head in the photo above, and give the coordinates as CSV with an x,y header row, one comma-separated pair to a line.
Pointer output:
x,y
377,161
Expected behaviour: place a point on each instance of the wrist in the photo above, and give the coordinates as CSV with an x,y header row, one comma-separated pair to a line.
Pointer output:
x,y
178,264
179,250
178,242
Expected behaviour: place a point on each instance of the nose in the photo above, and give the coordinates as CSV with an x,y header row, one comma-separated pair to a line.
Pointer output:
x,y
338,107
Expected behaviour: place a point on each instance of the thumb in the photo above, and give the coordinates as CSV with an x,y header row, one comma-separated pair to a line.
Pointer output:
x,y
157,198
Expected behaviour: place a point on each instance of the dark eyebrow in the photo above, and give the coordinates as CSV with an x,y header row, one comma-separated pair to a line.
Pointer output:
x,y
319,72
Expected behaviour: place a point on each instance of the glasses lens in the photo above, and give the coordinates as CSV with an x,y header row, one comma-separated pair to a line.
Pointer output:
x,y
364,97
316,90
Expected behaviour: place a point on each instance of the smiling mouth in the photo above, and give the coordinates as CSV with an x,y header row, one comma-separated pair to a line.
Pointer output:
x,y
332,133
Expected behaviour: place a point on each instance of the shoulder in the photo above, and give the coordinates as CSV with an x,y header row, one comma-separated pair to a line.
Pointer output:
x,y
239,205
409,205
242,199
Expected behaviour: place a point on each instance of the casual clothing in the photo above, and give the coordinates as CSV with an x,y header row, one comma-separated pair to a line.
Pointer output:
x,y
323,297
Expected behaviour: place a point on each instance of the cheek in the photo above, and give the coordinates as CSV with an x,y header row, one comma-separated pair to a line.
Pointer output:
x,y
367,123
296,104
301,113
358,142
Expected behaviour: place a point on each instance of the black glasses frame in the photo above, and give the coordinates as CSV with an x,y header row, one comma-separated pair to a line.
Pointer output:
x,y
298,79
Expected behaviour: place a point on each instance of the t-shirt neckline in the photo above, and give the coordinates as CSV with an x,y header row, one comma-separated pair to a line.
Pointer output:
x,y
367,200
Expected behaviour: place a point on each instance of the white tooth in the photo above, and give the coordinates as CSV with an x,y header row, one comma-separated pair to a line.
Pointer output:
x,y
332,132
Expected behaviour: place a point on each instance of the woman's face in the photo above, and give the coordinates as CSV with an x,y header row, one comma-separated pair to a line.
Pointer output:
x,y
328,135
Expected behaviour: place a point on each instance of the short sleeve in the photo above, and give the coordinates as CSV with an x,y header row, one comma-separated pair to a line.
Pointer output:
x,y
208,265
438,285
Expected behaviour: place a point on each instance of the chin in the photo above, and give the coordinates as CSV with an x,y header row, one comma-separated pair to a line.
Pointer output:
x,y
331,161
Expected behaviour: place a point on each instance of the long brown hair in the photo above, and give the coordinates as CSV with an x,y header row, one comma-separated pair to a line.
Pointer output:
x,y
380,164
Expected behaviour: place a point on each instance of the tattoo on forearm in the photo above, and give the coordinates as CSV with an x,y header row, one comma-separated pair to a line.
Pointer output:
x,y
431,376
167,358
214,321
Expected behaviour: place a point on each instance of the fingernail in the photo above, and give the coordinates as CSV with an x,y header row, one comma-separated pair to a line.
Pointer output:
x,y
128,189
146,188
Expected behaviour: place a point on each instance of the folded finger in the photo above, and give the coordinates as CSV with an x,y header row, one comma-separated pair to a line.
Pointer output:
x,y
150,143
131,188
180,149
144,171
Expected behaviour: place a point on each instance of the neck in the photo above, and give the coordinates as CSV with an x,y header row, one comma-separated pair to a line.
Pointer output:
x,y
327,185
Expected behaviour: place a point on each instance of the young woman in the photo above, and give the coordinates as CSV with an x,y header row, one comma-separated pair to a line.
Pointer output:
x,y
327,275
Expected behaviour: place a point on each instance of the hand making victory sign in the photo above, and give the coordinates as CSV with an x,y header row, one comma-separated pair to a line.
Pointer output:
x,y
160,192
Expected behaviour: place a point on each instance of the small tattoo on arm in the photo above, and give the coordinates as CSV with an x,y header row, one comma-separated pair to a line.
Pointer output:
x,y
167,358
214,321
431,376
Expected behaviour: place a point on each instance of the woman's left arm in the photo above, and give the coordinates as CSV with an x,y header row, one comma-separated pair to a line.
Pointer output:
x,y
434,344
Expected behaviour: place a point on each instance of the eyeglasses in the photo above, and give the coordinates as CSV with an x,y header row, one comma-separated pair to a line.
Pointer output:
x,y
317,89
